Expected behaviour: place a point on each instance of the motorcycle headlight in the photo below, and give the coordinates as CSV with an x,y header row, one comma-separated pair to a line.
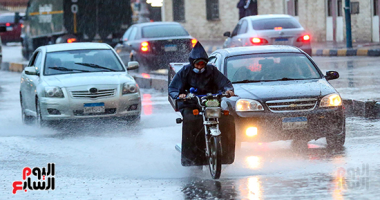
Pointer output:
x,y
248,105
213,112
54,92
331,100
129,88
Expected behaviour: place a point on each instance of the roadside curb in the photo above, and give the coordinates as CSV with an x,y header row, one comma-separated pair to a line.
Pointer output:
x,y
13,67
321,52
346,52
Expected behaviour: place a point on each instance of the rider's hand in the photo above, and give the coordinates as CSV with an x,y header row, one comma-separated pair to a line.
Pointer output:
x,y
230,93
182,96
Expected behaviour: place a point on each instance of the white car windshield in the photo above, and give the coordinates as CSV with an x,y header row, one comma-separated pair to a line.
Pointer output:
x,y
270,67
77,61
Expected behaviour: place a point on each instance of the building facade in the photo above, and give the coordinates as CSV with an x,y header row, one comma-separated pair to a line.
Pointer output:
x,y
323,19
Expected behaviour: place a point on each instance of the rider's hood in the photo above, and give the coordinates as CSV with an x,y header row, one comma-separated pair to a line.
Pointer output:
x,y
197,53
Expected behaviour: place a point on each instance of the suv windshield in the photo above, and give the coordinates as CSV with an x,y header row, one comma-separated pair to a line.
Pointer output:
x,y
76,61
270,67
163,31
270,24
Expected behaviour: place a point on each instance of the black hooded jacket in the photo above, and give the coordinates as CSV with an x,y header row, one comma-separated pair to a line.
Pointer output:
x,y
210,81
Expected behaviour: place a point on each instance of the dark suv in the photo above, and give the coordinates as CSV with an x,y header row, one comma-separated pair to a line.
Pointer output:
x,y
13,30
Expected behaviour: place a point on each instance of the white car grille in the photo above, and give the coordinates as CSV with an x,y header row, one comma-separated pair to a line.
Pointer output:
x,y
98,94
292,105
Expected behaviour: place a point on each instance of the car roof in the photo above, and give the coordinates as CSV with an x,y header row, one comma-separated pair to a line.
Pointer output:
x,y
257,50
75,46
271,16
156,23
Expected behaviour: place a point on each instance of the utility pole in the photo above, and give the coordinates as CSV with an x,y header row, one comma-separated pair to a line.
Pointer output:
x,y
347,11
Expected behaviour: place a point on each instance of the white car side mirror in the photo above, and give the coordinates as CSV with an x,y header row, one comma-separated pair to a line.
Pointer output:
x,y
133,65
31,70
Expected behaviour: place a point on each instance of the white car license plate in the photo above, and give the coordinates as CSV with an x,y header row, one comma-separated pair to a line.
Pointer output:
x,y
281,41
9,28
91,108
171,47
291,123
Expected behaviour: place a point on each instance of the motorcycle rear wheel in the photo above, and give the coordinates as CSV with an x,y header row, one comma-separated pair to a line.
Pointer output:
x,y
215,157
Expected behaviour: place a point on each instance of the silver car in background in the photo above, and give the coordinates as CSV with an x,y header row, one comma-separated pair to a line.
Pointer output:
x,y
75,81
269,30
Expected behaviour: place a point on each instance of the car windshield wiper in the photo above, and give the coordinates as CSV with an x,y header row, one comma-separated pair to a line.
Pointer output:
x,y
247,81
67,69
95,66
288,79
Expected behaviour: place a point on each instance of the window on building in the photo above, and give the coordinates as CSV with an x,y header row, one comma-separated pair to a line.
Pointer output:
x,y
329,8
340,7
212,8
295,7
375,6
179,10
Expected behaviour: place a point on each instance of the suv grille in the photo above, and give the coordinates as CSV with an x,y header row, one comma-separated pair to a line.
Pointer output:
x,y
88,94
292,105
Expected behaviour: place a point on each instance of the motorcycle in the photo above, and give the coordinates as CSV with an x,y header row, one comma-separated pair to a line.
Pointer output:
x,y
210,110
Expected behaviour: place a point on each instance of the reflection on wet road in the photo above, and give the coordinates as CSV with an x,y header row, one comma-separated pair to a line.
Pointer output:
x,y
103,159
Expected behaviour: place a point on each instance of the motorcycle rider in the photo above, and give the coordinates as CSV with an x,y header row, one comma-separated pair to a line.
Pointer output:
x,y
206,78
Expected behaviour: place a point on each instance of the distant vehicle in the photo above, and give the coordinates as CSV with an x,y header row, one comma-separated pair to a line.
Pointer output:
x,y
282,95
67,21
154,45
13,33
76,81
269,30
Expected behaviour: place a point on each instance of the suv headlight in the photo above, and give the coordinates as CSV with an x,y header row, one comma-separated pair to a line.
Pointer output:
x,y
331,100
129,88
248,105
53,92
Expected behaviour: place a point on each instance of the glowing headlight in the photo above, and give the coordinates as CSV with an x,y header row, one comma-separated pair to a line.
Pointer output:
x,y
213,112
55,92
130,88
331,100
248,105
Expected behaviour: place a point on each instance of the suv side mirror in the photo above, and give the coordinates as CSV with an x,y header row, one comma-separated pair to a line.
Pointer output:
x,y
331,75
227,34
132,65
31,71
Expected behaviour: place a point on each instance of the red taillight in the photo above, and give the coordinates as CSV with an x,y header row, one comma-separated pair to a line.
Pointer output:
x,y
71,40
8,24
144,46
193,42
278,28
305,38
259,41
22,25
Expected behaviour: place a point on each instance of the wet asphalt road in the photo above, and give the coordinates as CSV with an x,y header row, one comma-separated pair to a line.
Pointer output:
x,y
111,160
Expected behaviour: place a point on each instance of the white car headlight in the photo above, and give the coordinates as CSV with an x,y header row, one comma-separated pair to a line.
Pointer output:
x,y
331,100
53,92
213,112
129,88
248,105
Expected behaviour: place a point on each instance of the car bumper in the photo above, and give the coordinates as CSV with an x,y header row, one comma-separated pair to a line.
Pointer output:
x,y
320,123
152,61
70,108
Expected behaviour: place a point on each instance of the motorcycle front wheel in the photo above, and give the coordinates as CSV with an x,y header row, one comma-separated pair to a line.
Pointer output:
x,y
215,157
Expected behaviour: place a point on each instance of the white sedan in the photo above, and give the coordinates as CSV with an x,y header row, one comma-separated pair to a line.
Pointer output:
x,y
78,80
